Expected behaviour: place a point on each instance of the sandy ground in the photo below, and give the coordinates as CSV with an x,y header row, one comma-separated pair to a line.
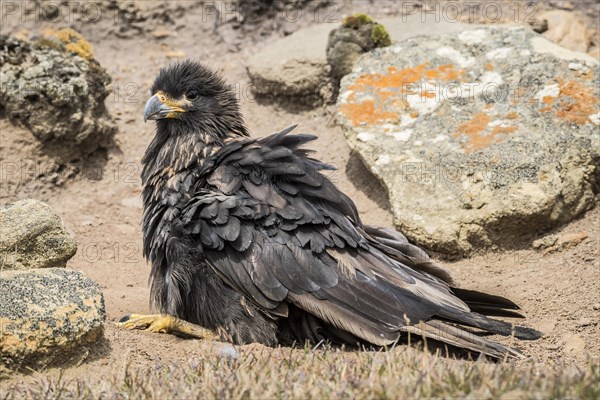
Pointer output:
x,y
559,292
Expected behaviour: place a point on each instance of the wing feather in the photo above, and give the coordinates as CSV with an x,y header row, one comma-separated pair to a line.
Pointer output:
x,y
278,231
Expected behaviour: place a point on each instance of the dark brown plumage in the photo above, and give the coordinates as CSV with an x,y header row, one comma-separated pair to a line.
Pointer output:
x,y
248,238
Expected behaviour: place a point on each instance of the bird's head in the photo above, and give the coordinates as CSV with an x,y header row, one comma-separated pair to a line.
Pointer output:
x,y
189,96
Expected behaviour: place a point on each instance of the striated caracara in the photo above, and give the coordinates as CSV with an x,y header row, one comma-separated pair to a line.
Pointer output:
x,y
250,242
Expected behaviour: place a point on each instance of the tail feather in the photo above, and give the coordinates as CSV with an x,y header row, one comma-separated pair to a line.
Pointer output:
x,y
488,304
494,311
476,320
454,336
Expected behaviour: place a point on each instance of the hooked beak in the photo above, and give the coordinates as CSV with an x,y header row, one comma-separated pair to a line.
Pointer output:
x,y
161,106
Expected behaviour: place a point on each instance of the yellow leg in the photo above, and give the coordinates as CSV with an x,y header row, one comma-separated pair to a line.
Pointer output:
x,y
162,323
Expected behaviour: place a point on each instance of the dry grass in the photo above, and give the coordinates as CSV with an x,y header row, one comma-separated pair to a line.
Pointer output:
x,y
402,373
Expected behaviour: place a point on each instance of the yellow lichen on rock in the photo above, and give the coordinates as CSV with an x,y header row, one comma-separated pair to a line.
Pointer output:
x,y
47,316
357,20
73,41
380,36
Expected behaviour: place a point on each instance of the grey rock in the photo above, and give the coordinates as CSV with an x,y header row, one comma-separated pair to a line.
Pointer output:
x,y
295,68
544,242
300,79
57,91
228,351
539,25
292,68
348,42
33,236
482,137
47,317
341,55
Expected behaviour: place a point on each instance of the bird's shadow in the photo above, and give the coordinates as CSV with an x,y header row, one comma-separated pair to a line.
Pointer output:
x,y
365,182
290,104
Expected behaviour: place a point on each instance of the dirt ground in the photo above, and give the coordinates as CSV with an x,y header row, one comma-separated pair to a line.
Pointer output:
x,y
558,291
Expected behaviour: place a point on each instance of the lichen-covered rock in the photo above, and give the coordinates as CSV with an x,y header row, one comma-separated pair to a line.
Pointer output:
x,y
482,137
55,88
47,317
358,34
33,236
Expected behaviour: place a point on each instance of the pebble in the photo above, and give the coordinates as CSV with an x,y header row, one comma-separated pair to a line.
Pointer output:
x,y
161,33
175,54
574,344
228,352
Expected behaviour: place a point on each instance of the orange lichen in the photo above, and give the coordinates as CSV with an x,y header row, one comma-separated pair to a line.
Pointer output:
x,y
432,73
475,129
489,67
475,125
450,73
577,102
399,78
499,130
512,115
390,91
366,112
548,99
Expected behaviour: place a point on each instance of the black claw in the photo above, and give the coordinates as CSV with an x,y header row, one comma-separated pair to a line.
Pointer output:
x,y
125,318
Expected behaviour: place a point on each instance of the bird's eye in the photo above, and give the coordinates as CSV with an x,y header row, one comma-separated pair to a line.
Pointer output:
x,y
192,95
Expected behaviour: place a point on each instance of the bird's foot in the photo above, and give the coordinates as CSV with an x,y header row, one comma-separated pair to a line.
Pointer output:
x,y
162,323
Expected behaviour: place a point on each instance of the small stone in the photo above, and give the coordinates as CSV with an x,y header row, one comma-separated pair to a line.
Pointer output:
x,y
175,54
566,241
33,236
596,306
87,222
585,322
572,239
161,33
539,25
545,242
228,351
